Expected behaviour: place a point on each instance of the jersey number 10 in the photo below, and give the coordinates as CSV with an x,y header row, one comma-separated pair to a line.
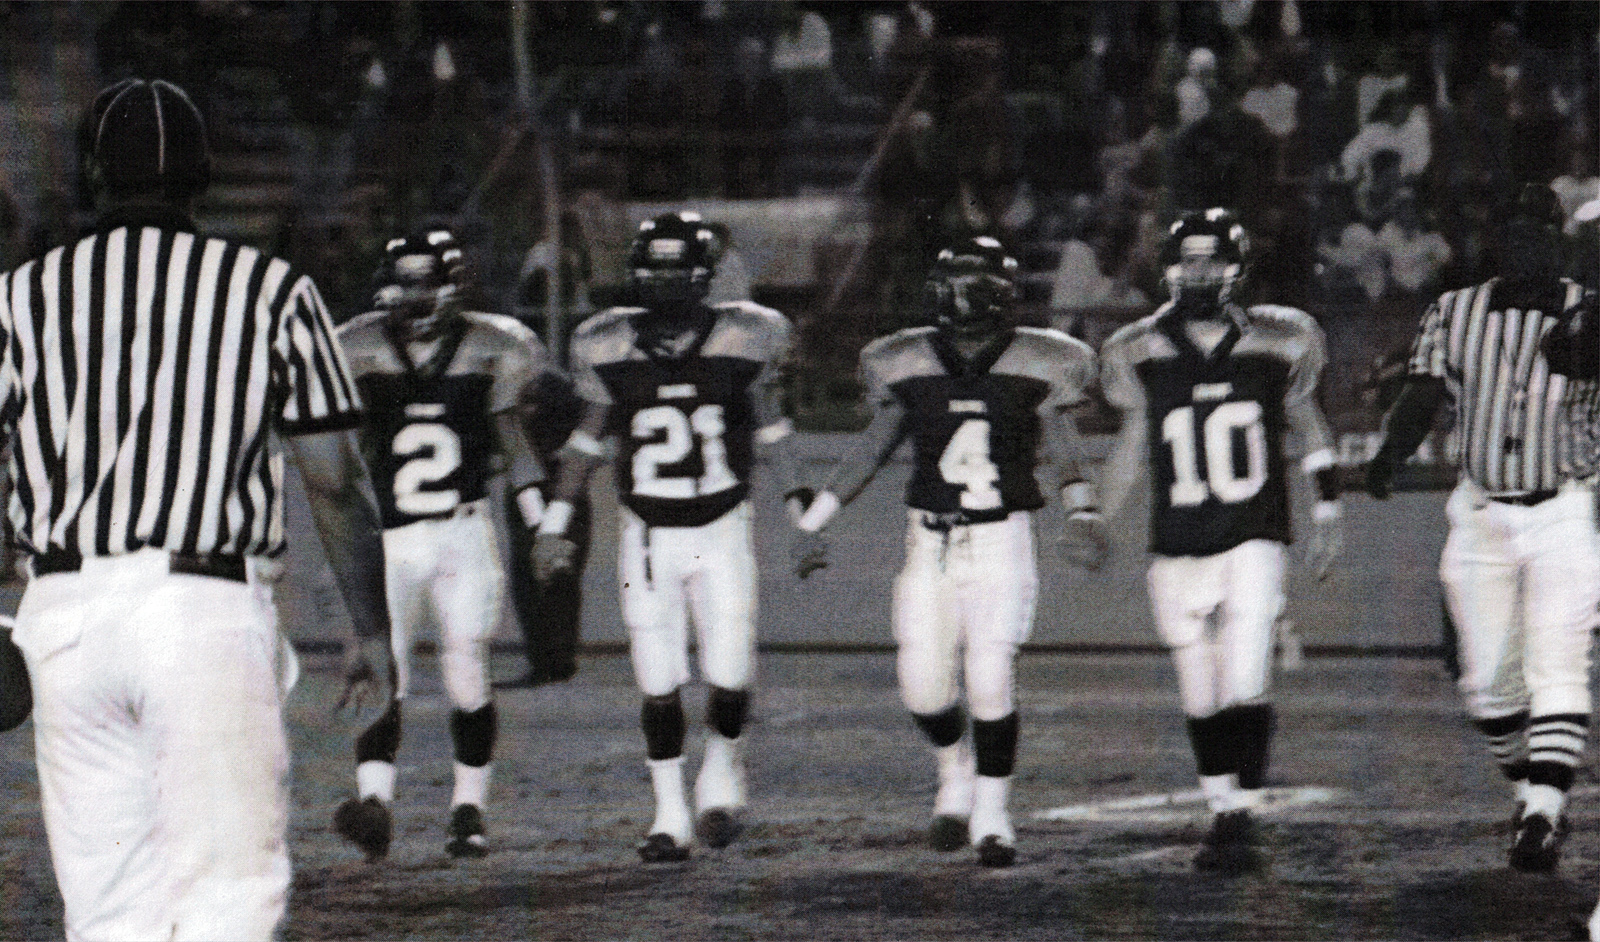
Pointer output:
x,y
681,428
1217,437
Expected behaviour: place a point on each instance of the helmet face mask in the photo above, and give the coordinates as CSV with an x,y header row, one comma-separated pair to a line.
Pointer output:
x,y
418,286
671,261
971,286
1203,259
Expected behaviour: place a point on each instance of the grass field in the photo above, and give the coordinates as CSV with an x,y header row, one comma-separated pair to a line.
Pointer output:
x,y
1388,821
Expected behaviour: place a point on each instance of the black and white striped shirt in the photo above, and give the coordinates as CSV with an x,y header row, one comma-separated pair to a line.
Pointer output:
x,y
143,372
1519,427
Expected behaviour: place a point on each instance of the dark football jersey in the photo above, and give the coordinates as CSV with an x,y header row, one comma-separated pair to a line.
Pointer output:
x,y
1216,422
975,425
428,433
685,422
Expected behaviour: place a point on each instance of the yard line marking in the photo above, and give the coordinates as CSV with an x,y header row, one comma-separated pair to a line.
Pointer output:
x,y
1169,804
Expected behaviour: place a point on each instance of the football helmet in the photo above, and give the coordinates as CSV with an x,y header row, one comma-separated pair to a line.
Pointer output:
x,y
1204,258
419,279
970,286
671,260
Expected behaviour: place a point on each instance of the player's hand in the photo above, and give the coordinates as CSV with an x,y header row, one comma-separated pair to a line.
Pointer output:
x,y
369,679
810,552
1083,542
1327,538
797,501
1379,478
553,554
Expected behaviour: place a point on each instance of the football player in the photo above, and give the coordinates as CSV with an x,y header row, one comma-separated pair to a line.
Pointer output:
x,y
1210,389
981,402
446,390
688,390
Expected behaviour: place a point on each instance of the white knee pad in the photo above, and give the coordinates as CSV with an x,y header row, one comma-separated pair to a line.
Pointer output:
x,y
464,666
991,679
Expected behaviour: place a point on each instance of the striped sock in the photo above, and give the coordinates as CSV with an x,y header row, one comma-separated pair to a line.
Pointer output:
x,y
1555,748
1507,740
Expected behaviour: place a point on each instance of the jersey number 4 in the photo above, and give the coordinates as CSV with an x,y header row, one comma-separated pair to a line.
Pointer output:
x,y
435,453
1217,436
965,463
682,429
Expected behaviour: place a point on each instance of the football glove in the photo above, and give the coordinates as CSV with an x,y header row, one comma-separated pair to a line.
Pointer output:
x,y
1083,541
369,680
1327,538
810,552
797,501
552,554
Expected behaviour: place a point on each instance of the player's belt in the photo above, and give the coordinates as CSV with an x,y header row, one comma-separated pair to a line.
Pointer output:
x,y
949,520
1530,499
216,565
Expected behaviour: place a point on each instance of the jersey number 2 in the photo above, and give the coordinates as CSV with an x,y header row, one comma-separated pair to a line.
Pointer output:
x,y
681,429
437,453
1217,437
966,463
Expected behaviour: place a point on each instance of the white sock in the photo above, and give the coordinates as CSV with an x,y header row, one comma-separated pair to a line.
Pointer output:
x,y
375,779
957,769
472,785
1547,800
1223,793
721,780
989,815
672,806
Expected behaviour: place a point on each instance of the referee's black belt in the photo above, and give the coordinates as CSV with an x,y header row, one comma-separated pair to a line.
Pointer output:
x,y
949,520
1530,499
216,565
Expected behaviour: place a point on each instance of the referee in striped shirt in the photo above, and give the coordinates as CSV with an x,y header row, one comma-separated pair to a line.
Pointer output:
x,y
1521,566
146,373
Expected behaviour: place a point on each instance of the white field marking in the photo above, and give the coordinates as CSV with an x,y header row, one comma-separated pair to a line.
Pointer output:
x,y
786,719
1171,805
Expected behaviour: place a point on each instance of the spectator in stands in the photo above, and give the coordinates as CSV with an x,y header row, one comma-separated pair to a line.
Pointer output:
x,y
1416,255
1398,124
977,139
1092,274
566,262
1199,88
652,115
1223,159
802,58
324,84
1580,183
754,113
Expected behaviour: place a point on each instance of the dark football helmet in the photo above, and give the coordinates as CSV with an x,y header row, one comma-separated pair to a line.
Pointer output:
x,y
1204,258
671,260
419,279
970,286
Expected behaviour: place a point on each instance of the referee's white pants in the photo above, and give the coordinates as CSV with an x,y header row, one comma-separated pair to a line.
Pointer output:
x,y
162,759
669,575
449,569
970,591
1523,584
1226,659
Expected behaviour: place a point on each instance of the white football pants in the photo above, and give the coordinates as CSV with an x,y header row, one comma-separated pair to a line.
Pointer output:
x,y
972,586
670,575
450,569
160,743
1523,584
1224,660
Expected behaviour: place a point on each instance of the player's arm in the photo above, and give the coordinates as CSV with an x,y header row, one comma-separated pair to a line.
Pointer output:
x,y
1572,345
850,476
1307,423
1410,417
345,510
1125,466
577,461
1083,540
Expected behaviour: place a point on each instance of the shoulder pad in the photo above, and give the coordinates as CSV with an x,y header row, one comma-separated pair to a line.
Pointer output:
x,y
887,360
1128,333
1049,340
506,326
360,324
748,331
606,337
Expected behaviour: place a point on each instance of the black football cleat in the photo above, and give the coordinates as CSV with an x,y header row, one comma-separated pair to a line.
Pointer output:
x,y
661,848
948,833
366,823
466,833
1536,842
992,852
1229,847
717,827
